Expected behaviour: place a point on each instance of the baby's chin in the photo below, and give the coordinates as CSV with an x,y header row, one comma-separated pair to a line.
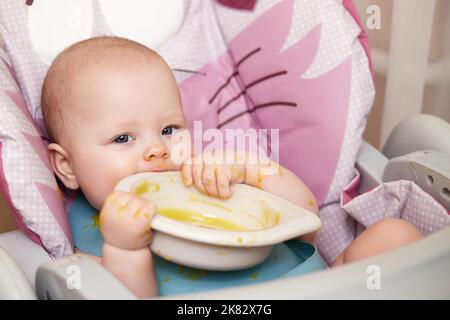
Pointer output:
x,y
97,200
96,204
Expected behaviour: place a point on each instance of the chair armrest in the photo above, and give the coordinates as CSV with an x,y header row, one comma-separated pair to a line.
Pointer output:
x,y
27,254
418,132
370,164
430,170
78,277
14,284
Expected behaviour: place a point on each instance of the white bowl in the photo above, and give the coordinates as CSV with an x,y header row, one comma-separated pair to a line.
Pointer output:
x,y
213,234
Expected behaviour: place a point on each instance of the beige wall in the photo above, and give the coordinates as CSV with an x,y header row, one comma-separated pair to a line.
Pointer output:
x,y
6,222
437,96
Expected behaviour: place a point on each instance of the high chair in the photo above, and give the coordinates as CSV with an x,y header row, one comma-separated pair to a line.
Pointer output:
x,y
301,66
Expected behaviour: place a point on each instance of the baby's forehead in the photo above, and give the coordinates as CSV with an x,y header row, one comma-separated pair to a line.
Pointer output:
x,y
95,55
98,57
107,54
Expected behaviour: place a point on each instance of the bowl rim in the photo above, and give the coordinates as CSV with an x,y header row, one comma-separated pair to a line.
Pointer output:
x,y
306,222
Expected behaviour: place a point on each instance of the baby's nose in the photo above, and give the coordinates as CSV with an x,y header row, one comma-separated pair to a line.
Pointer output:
x,y
156,151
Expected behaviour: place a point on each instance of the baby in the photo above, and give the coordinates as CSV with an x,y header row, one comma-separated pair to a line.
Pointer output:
x,y
112,109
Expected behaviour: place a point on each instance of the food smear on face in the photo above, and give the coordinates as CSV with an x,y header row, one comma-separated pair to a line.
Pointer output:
x,y
196,218
146,186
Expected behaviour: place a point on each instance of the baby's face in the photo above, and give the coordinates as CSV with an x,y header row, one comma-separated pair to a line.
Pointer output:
x,y
124,121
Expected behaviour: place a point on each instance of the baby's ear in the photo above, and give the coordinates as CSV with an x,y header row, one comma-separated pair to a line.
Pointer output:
x,y
62,166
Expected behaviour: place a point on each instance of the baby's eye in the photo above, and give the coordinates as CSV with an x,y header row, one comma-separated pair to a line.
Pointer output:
x,y
123,138
169,130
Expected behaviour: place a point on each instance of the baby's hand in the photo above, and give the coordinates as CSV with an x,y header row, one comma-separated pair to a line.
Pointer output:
x,y
211,174
125,221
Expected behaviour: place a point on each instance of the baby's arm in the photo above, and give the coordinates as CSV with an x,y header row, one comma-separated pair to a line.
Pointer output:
x,y
215,180
281,182
125,223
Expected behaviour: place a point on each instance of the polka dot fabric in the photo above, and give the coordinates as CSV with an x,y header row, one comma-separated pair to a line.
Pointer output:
x,y
339,31
399,199
25,176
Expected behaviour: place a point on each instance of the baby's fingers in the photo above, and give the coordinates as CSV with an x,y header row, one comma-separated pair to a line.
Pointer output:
x,y
209,180
223,183
149,210
136,206
186,172
197,175
117,201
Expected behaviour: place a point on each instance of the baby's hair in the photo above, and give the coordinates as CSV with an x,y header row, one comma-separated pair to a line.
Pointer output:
x,y
108,51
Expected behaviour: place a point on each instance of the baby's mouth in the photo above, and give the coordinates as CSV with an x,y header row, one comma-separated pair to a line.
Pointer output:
x,y
159,168
156,166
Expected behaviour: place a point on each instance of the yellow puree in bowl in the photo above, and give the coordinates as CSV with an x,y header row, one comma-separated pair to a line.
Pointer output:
x,y
199,219
269,217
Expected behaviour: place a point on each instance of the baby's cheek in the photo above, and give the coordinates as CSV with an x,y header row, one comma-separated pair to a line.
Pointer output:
x,y
106,185
113,177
